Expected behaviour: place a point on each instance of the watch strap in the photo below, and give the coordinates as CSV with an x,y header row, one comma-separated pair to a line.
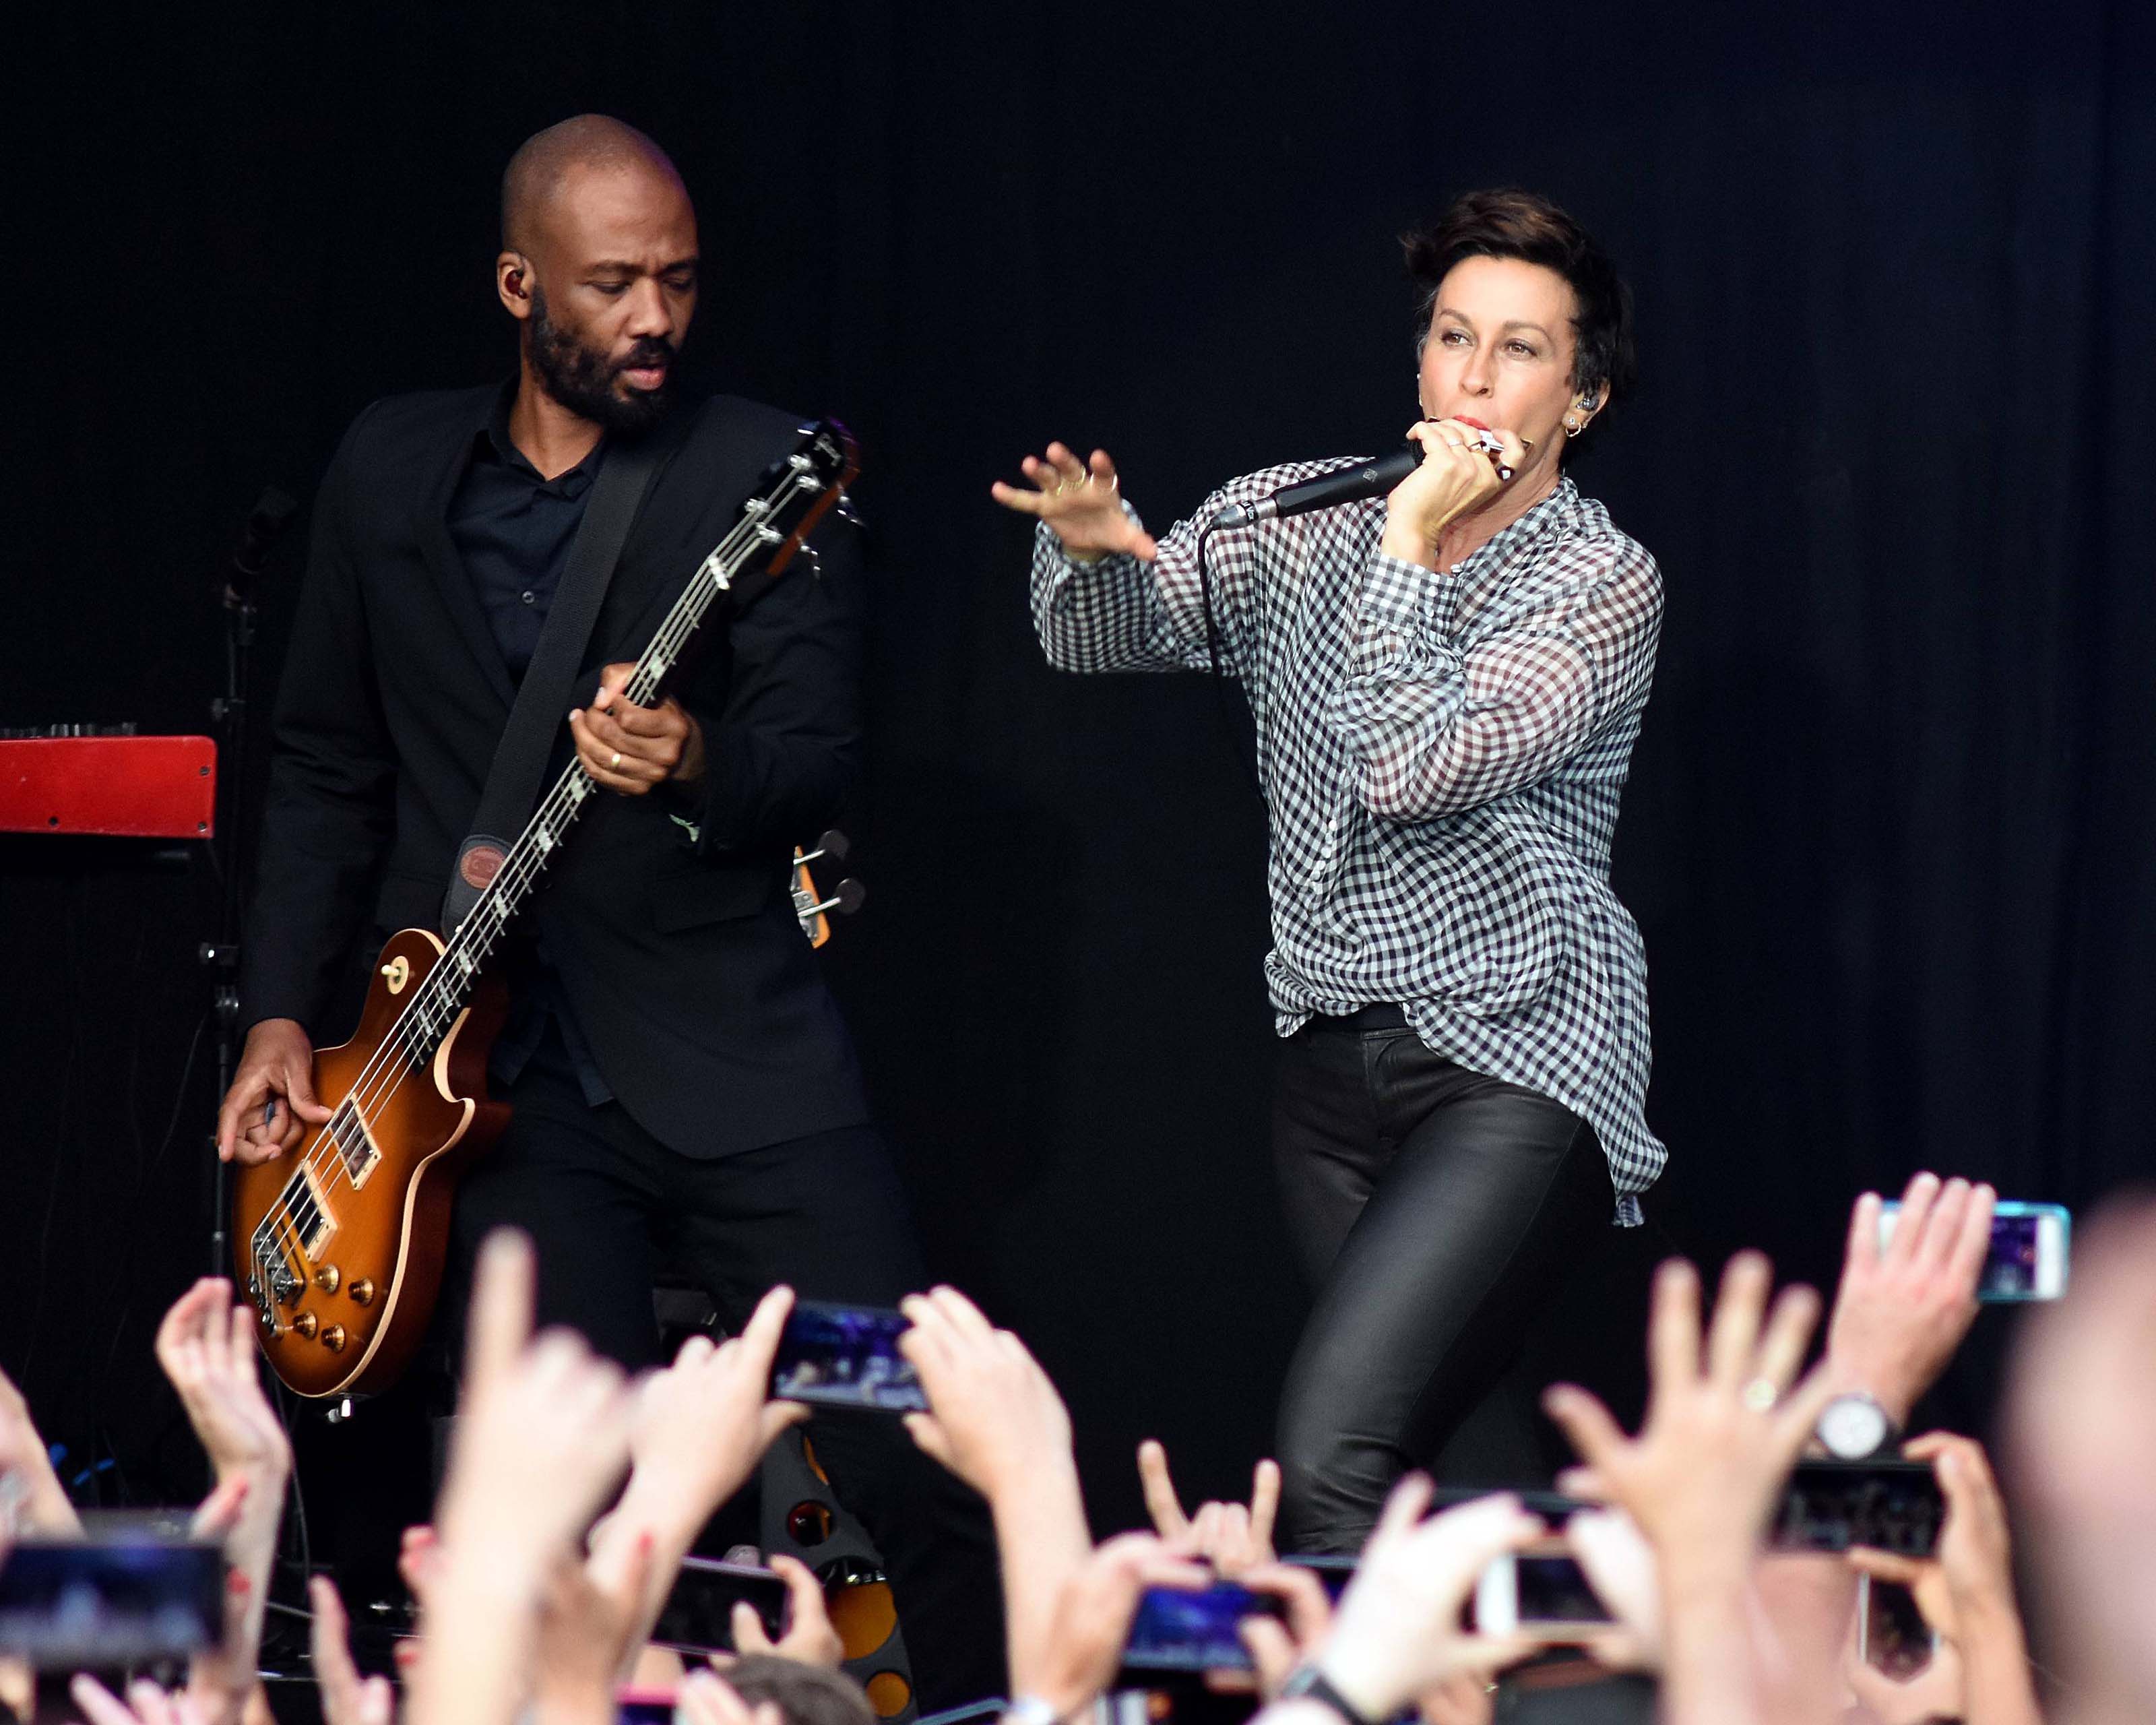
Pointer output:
x,y
1305,1682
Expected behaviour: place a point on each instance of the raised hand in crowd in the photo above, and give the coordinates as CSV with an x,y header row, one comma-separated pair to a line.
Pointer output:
x,y
346,1697
34,1504
542,1438
700,1427
145,1704
1081,501
1724,1425
1397,1636
1965,1590
810,1637
1620,1566
1074,1663
995,1420
705,1698
591,1618
1278,1645
1231,1536
205,1345
1902,1308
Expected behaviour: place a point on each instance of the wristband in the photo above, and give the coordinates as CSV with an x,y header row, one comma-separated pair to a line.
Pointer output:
x,y
1305,1682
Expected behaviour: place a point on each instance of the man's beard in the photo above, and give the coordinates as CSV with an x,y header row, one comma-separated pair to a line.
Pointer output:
x,y
583,380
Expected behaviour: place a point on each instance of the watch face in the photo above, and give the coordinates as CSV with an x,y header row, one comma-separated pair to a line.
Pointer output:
x,y
1853,1427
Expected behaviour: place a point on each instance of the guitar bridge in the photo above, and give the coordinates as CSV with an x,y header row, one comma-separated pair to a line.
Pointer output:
x,y
284,1241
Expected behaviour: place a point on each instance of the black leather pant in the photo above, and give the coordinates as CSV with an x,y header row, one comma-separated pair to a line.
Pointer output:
x,y
1435,1210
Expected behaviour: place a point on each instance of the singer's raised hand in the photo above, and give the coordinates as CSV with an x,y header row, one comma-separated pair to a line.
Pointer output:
x,y
1081,501
1457,475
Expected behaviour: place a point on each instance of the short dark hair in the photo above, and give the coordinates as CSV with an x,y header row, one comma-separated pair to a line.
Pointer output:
x,y
806,1694
1510,223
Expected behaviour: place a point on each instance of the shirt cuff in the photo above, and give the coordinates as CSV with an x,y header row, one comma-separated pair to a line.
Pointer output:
x,y
1401,604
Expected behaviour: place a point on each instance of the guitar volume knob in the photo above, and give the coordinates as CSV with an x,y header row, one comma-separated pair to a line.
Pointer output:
x,y
361,1292
305,1324
327,1278
333,1339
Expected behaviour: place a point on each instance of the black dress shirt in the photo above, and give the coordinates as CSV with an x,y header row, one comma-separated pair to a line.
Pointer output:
x,y
513,529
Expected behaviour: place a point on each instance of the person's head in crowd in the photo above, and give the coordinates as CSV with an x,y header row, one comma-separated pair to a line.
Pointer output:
x,y
2081,1466
803,1694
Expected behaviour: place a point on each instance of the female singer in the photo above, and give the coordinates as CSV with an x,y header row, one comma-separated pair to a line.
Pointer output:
x,y
1447,682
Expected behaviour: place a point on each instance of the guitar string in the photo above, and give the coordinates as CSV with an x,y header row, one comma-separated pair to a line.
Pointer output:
x,y
415,1027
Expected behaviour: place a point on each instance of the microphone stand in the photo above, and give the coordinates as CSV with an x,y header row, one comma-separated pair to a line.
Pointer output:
x,y
230,847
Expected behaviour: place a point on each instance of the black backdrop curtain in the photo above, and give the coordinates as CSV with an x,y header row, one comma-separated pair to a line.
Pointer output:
x,y
1886,826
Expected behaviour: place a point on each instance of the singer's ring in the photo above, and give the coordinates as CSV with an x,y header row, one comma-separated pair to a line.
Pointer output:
x,y
1454,442
1503,471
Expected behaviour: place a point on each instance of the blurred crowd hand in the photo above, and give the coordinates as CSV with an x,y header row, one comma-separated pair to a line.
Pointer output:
x,y
542,1435
810,1637
590,1623
700,1427
145,1704
1965,1590
1396,1636
346,1697
1933,1693
1903,1308
1620,1566
1278,1645
33,1502
206,1347
994,1419
1092,1619
542,1439
704,1423
1723,1425
705,1698
1232,1537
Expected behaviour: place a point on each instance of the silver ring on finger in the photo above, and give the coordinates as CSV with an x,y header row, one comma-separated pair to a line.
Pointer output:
x,y
614,765
1761,1395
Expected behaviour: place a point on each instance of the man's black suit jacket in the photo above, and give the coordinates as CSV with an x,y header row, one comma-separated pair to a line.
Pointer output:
x,y
680,957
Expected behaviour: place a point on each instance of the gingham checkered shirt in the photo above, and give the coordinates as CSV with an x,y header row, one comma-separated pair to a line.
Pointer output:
x,y
1441,754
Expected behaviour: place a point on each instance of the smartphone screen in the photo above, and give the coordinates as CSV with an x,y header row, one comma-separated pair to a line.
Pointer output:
x,y
2029,1243
1176,1630
698,1612
1892,1637
1830,1506
846,1357
66,1604
639,1707
1540,1591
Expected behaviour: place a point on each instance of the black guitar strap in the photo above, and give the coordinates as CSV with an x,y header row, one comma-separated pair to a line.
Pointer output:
x,y
521,758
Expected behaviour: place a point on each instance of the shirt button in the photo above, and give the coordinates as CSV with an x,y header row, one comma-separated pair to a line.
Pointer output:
x,y
529,597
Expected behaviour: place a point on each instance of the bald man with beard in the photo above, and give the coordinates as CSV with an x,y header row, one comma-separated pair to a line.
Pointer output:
x,y
684,1090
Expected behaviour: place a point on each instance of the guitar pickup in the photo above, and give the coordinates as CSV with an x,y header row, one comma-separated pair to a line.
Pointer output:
x,y
349,1131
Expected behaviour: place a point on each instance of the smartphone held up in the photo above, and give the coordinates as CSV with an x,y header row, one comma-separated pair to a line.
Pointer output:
x,y
2027,1259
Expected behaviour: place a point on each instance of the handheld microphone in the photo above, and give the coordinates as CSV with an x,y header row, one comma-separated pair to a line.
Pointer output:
x,y
1346,485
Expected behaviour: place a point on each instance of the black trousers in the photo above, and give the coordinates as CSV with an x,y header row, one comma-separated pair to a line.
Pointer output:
x,y
605,1203
1435,1210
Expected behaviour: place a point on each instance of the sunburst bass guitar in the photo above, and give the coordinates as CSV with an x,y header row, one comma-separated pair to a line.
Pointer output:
x,y
339,1242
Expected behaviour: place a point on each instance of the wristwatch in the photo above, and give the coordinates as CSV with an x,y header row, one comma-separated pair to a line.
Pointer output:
x,y
1854,1427
1305,1682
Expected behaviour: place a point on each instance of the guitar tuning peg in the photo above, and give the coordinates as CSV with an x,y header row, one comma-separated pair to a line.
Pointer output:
x,y
848,898
834,843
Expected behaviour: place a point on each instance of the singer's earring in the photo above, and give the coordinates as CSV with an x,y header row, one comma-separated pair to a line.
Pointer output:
x,y
1571,428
